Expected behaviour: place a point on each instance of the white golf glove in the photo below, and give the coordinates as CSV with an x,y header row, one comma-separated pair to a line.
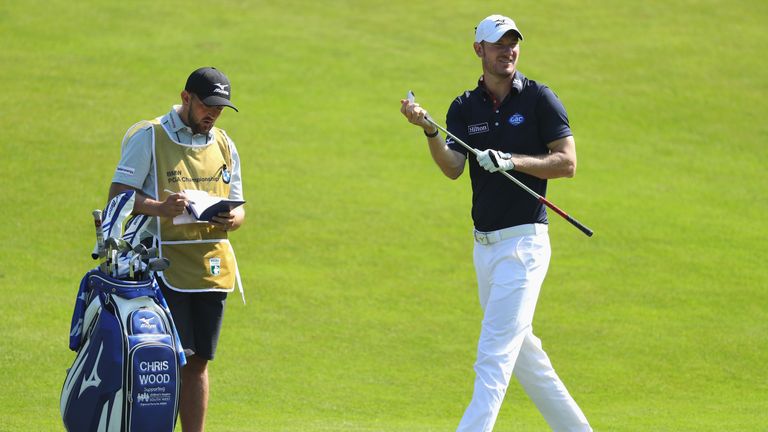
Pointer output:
x,y
493,160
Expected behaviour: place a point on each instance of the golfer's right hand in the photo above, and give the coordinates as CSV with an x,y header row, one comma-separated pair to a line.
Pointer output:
x,y
174,205
416,114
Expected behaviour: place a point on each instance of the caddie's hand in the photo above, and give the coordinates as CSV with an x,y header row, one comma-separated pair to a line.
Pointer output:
x,y
224,221
493,160
416,115
173,205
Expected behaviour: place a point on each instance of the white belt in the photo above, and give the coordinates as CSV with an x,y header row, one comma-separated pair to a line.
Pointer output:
x,y
491,237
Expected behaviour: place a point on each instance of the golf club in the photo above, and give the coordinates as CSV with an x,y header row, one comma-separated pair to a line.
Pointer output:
x,y
117,244
99,252
113,263
156,265
574,222
138,251
114,246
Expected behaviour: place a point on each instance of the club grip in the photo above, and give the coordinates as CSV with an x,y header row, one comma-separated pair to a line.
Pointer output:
x,y
100,250
567,217
580,226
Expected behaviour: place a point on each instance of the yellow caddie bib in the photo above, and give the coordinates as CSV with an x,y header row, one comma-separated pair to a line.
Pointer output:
x,y
202,259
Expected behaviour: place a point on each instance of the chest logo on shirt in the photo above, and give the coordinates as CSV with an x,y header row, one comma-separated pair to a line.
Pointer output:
x,y
477,128
517,119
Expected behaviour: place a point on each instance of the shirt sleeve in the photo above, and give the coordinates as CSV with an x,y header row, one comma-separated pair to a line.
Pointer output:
x,y
236,184
135,160
553,119
457,126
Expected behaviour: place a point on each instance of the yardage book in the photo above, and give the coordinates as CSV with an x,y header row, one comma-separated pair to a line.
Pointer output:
x,y
202,207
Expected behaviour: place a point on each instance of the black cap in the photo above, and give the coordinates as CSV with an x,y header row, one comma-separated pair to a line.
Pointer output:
x,y
211,86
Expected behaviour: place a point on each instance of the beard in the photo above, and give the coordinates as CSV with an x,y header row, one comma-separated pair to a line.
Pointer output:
x,y
199,126
493,67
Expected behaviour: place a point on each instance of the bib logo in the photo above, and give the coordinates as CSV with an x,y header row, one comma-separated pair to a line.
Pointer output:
x,y
517,119
477,128
226,176
215,266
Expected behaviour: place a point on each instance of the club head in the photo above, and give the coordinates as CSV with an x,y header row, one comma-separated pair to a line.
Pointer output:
x,y
118,244
158,264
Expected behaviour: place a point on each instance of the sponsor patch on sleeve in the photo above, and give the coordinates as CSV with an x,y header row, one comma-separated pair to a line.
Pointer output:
x,y
122,169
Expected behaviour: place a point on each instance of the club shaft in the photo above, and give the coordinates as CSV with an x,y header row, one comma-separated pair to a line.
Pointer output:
x,y
541,199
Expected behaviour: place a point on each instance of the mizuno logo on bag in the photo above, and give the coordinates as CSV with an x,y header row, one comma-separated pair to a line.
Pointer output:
x,y
147,323
93,379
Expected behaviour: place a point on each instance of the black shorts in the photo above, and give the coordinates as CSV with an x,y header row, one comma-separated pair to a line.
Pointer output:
x,y
198,318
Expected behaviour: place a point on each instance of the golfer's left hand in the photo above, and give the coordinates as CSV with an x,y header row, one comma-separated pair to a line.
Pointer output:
x,y
493,160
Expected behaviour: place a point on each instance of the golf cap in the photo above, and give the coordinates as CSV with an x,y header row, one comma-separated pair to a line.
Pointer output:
x,y
492,28
211,86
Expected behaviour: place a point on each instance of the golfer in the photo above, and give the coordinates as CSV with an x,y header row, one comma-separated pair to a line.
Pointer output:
x,y
520,127
161,158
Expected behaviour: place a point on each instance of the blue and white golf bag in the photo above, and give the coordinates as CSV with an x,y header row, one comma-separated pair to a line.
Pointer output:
x,y
125,377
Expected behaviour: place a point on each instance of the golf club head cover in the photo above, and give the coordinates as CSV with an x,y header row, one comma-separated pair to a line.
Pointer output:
x,y
118,209
494,160
136,229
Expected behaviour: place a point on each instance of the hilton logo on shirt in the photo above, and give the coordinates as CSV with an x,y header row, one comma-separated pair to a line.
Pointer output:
x,y
477,128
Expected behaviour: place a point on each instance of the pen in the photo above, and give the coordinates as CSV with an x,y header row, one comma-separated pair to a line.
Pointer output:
x,y
172,192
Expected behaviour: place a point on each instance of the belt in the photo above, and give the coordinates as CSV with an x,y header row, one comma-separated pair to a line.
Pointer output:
x,y
491,237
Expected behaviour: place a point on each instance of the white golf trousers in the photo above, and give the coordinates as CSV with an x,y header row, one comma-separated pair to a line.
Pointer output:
x,y
509,275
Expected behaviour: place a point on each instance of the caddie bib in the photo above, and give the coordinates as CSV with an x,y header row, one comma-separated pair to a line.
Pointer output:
x,y
202,259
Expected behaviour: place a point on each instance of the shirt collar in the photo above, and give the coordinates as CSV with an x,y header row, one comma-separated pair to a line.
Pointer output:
x,y
175,124
517,86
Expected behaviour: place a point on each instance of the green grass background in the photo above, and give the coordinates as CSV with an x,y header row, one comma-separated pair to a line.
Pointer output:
x,y
356,254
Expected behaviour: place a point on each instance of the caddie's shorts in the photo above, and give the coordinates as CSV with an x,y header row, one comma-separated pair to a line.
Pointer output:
x,y
198,318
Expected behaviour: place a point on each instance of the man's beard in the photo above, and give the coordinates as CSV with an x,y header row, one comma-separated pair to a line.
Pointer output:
x,y
197,126
492,67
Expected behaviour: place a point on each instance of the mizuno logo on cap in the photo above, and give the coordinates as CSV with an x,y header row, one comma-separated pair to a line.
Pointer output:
x,y
220,88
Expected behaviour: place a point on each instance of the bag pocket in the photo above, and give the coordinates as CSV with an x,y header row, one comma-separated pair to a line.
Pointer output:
x,y
153,377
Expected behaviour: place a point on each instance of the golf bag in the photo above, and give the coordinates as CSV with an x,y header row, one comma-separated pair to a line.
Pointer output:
x,y
125,376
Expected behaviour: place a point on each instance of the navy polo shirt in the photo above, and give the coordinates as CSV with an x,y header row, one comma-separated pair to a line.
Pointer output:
x,y
528,119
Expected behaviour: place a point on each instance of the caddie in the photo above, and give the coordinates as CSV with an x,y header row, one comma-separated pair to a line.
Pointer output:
x,y
160,158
